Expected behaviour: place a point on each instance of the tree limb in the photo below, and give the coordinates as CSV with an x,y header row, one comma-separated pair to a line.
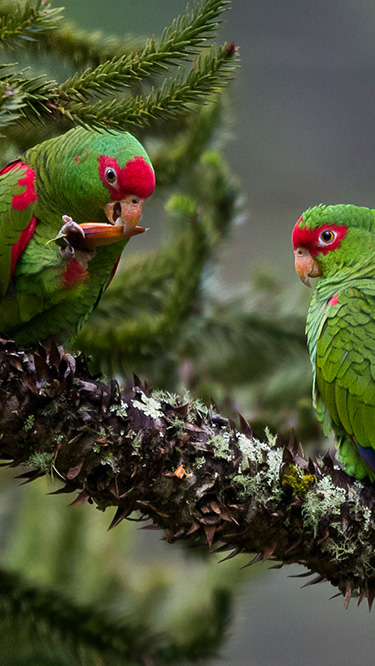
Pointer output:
x,y
186,467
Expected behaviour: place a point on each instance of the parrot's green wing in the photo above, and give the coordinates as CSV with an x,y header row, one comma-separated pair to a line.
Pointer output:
x,y
17,224
345,376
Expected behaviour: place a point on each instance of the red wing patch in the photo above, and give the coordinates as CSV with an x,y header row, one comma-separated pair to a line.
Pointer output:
x,y
20,202
24,199
22,242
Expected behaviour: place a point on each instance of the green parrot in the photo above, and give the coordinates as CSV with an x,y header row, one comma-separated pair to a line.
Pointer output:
x,y
337,244
68,207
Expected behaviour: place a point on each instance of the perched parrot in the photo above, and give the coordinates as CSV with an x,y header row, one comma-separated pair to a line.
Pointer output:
x,y
68,206
337,244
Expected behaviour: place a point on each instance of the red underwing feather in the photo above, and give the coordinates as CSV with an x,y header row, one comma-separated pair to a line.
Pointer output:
x,y
114,269
21,244
74,274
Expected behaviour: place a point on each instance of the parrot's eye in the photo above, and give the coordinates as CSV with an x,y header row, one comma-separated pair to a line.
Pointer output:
x,y
327,236
111,176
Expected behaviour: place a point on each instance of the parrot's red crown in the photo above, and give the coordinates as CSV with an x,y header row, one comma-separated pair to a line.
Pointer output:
x,y
309,238
137,177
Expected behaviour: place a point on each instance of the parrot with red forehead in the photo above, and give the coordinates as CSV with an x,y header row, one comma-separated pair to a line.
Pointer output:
x,y
68,207
337,245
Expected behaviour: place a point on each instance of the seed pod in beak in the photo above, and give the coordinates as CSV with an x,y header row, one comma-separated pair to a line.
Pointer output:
x,y
104,234
88,235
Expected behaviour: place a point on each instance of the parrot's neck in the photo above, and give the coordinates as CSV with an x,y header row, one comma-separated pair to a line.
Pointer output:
x,y
362,278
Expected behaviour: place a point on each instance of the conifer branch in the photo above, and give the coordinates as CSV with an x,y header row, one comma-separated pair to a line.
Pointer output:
x,y
211,73
83,48
21,96
43,617
179,41
46,616
229,345
186,467
27,21
181,154
175,276
73,99
71,43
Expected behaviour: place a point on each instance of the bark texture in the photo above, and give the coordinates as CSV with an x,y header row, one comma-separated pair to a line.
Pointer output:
x,y
187,468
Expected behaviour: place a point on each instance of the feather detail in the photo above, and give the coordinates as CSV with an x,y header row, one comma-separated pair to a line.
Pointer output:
x,y
74,274
22,200
21,244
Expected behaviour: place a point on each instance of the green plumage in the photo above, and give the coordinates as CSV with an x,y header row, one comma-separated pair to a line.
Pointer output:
x,y
48,294
341,326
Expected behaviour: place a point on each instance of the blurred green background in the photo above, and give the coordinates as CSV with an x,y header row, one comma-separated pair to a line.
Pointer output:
x,y
302,132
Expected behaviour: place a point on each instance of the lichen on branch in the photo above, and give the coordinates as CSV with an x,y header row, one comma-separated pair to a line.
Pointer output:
x,y
184,466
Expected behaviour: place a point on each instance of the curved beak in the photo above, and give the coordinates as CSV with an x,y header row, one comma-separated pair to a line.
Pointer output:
x,y
124,213
306,265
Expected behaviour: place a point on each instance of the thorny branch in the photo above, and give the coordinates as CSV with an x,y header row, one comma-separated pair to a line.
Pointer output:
x,y
186,467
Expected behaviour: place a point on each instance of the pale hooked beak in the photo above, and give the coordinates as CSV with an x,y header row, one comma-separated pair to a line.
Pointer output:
x,y
306,265
124,213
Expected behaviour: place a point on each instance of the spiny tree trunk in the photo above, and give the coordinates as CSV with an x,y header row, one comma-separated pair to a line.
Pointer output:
x,y
186,467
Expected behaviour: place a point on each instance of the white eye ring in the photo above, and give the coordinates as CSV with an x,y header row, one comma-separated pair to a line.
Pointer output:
x,y
327,236
111,176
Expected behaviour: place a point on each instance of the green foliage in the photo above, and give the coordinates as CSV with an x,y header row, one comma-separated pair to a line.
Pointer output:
x,y
27,21
114,600
83,97
84,630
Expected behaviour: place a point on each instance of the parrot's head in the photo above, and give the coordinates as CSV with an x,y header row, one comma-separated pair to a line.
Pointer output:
x,y
102,176
328,240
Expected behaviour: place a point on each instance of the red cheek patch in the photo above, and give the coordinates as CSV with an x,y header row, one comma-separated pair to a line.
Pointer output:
x,y
309,238
137,177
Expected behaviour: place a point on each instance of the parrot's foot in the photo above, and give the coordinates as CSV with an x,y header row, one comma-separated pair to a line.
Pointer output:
x,y
71,240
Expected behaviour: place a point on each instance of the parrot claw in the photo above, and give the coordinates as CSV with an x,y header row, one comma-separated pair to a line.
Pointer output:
x,y
68,237
71,229
67,251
